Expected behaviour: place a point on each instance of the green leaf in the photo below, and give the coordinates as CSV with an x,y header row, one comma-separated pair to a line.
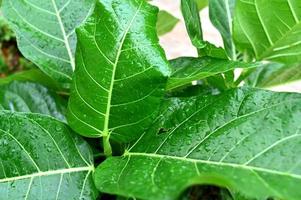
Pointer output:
x,y
221,15
246,140
269,31
32,97
46,32
33,75
121,72
193,22
41,158
274,74
166,22
188,69
193,25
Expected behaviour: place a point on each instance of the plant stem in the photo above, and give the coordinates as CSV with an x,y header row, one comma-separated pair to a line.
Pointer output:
x,y
106,144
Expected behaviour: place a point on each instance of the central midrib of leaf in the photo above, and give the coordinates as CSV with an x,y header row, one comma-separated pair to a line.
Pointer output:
x,y
68,48
49,173
106,132
208,162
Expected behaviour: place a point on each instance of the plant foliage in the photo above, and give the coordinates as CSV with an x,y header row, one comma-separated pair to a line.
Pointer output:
x,y
105,115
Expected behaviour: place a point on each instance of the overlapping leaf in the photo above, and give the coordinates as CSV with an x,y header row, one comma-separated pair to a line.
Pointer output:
x,y
121,71
188,69
32,97
32,75
246,140
41,158
274,74
270,31
45,32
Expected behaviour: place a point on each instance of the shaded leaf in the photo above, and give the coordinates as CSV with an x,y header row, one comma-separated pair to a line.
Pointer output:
x,y
246,140
41,158
200,89
46,32
121,71
32,98
33,75
269,31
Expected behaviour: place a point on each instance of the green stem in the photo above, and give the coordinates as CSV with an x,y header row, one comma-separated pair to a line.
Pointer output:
x,y
106,145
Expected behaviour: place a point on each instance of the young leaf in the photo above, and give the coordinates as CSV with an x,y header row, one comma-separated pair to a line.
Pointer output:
x,y
121,71
188,69
45,32
193,25
32,97
193,22
166,22
273,74
42,159
221,15
269,31
246,140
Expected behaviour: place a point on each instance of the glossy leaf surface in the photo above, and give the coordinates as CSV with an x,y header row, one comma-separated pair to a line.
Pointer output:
x,y
41,158
188,69
45,32
221,15
269,31
32,98
121,71
246,140
166,22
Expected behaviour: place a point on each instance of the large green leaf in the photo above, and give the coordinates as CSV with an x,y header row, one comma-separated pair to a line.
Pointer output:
x,y
45,32
40,158
188,69
121,71
32,97
166,22
221,15
246,140
269,31
274,74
